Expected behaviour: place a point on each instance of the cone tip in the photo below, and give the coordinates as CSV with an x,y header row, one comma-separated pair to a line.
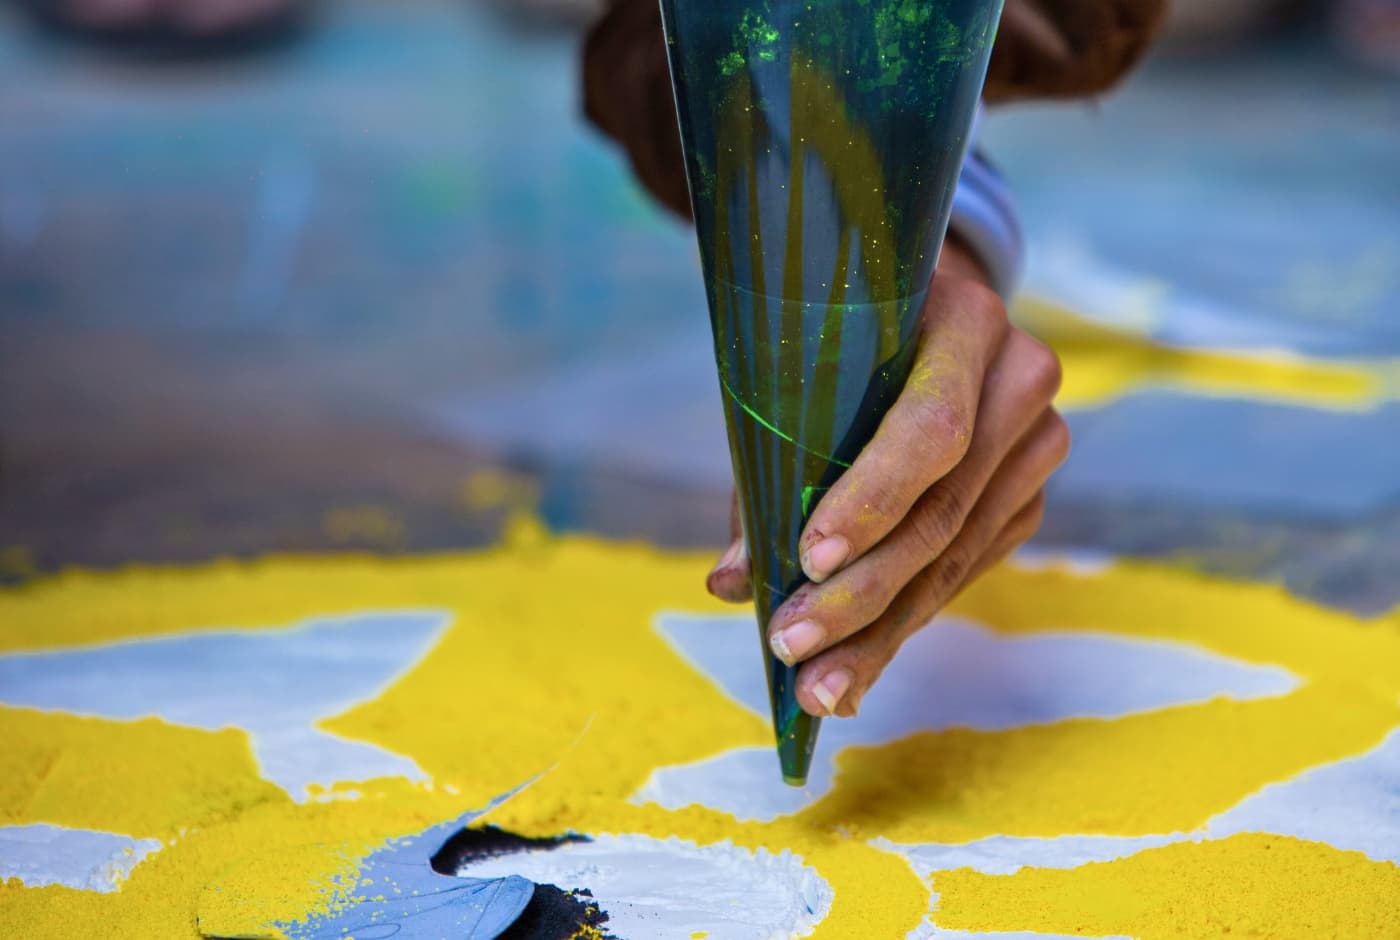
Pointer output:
x,y
794,781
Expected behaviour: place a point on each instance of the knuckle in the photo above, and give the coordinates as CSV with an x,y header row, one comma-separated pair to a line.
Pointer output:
x,y
942,427
1036,516
881,505
1028,521
947,574
1042,368
976,307
939,516
983,303
971,310
1058,437
865,597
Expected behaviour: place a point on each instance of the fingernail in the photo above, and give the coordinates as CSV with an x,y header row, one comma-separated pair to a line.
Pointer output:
x,y
831,687
826,557
794,643
729,558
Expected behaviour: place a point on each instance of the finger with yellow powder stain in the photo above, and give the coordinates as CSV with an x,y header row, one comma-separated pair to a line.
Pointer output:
x,y
968,444
923,437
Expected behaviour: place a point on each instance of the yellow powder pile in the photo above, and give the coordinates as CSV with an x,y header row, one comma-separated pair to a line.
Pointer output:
x,y
279,887
554,636
1245,886
143,778
1171,770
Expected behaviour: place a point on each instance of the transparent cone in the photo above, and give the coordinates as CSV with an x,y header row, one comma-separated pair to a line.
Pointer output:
x,y
823,141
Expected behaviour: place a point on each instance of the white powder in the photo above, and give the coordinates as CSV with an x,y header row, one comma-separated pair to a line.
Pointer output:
x,y
41,854
659,890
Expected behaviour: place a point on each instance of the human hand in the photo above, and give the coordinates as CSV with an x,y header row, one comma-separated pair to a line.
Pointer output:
x,y
951,483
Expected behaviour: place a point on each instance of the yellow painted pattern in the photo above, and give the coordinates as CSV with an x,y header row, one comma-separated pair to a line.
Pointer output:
x,y
1290,888
143,778
552,660
1102,364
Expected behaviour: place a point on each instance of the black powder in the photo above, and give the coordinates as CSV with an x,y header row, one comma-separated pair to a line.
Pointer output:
x,y
474,845
556,914
553,913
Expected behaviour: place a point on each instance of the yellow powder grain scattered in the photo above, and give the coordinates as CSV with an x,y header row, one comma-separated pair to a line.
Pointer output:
x,y
589,933
279,887
1248,885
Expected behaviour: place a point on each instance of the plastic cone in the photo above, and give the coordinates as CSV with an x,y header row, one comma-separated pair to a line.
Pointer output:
x,y
823,141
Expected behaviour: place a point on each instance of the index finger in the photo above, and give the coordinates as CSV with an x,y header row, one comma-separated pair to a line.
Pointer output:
x,y
923,437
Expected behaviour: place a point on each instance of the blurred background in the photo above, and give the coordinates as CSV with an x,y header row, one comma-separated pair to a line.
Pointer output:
x,y
361,278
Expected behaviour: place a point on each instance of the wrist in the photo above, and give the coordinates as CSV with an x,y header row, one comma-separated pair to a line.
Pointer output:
x,y
984,223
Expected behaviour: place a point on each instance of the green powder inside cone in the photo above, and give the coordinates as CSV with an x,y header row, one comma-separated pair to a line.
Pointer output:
x,y
823,142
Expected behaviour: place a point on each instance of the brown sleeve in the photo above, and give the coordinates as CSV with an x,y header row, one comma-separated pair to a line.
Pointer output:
x,y
627,94
1044,49
1068,48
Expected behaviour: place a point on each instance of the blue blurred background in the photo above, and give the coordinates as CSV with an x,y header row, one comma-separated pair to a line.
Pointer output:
x,y
378,286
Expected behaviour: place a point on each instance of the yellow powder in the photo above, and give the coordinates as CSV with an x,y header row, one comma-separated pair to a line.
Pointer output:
x,y
279,887
1248,885
1102,364
1163,771
554,636
143,778
1260,623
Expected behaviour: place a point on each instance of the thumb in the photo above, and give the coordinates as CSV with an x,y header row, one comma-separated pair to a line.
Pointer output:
x,y
729,580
